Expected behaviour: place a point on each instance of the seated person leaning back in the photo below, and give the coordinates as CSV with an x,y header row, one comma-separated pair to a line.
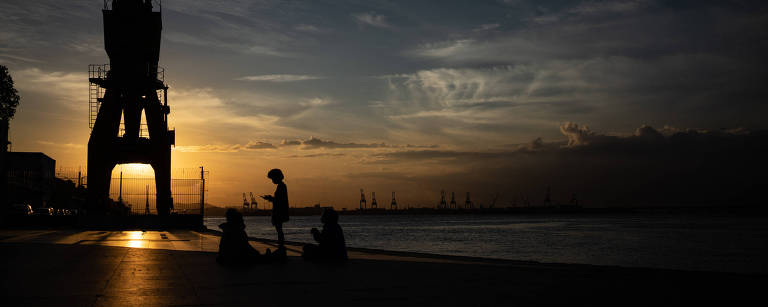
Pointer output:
x,y
234,247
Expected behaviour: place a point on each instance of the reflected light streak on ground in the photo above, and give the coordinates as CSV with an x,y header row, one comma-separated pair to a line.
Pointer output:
x,y
136,239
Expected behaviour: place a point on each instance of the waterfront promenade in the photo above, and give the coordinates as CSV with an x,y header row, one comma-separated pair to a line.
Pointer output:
x,y
177,267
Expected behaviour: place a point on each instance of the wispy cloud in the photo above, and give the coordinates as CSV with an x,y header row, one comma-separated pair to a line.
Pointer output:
x,y
252,145
609,7
310,143
487,26
62,145
290,142
315,102
17,58
279,78
266,50
308,28
314,142
218,112
66,87
319,155
371,19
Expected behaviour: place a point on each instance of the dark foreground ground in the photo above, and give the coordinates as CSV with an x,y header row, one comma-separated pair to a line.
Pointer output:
x,y
114,268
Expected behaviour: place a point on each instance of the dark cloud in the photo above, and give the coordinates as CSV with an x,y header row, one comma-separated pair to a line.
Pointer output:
x,y
311,143
290,143
477,75
314,142
259,145
319,155
422,146
649,167
398,156
251,145
492,68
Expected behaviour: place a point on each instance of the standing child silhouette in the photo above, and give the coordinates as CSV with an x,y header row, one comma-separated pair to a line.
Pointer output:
x,y
279,205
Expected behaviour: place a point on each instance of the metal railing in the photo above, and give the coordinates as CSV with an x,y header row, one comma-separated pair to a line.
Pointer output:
x,y
74,174
139,195
187,189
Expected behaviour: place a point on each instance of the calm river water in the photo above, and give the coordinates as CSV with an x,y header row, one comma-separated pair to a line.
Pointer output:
x,y
695,242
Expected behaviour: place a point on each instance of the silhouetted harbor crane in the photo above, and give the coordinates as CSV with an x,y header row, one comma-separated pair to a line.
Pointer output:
x,y
374,205
494,198
246,204
254,204
130,84
468,203
393,204
442,204
453,201
362,200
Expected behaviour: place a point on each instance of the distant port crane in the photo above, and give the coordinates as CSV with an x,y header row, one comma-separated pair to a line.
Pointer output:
x,y
468,204
393,204
362,200
374,205
246,204
442,204
453,201
254,204
494,198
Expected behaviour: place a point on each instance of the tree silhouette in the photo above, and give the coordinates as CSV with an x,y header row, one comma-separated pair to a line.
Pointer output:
x,y
9,100
9,97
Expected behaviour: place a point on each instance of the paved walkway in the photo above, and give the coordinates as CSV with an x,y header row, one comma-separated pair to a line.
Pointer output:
x,y
160,268
185,240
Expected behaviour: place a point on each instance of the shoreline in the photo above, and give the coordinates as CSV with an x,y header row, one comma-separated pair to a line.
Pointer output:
x,y
556,210
485,260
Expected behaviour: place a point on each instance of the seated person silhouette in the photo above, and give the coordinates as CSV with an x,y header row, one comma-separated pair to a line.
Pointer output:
x,y
331,246
233,246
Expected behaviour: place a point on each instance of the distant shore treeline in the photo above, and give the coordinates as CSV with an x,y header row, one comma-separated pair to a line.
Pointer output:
x,y
317,210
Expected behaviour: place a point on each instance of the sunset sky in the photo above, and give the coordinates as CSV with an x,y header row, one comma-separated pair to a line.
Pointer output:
x,y
605,99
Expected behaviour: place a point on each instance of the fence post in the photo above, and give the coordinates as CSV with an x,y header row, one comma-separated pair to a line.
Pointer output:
x,y
202,193
120,196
